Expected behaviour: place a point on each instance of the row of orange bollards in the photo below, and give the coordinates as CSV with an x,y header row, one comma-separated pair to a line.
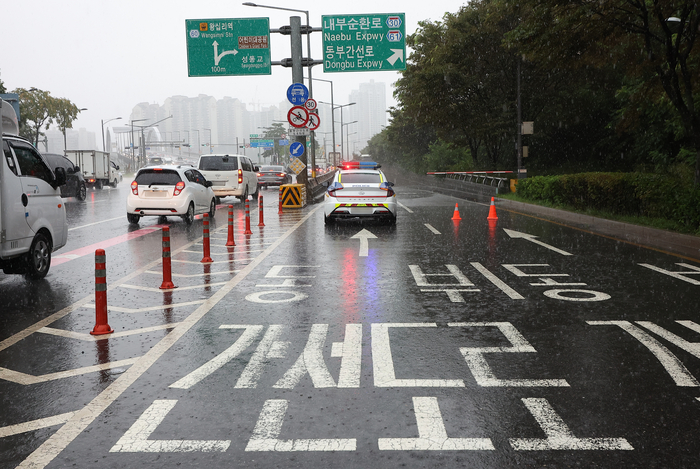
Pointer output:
x,y
492,212
101,321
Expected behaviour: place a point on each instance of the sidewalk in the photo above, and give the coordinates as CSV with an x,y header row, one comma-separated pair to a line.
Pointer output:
x,y
668,241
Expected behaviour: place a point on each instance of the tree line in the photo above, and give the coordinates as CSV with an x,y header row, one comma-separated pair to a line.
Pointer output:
x,y
38,110
611,85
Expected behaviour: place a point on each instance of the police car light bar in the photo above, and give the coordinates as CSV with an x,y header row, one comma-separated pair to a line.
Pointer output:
x,y
361,165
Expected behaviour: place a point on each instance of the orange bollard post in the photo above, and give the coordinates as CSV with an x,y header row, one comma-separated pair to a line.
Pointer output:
x,y
247,219
167,268
260,210
205,239
230,241
101,326
456,216
492,211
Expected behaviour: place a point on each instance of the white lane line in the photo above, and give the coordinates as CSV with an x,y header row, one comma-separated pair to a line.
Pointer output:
x,y
250,333
383,362
26,379
226,272
404,207
135,440
57,442
559,437
269,426
155,289
432,435
93,224
209,263
432,228
122,309
95,338
674,367
498,282
35,424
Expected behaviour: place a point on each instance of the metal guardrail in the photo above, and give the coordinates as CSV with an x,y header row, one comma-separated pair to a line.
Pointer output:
x,y
317,186
475,176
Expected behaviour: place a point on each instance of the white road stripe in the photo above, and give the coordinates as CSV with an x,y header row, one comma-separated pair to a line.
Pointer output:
x,y
498,282
559,437
35,424
383,362
95,338
93,224
404,207
26,379
269,426
432,228
135,440
242,343
432,435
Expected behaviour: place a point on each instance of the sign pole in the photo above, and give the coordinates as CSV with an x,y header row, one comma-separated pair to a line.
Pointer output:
x,y
298,77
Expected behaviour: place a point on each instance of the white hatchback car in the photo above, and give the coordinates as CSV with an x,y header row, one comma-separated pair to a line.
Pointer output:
x,y
169,191
360,190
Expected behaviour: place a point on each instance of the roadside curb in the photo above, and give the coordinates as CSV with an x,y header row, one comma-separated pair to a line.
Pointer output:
x,y
676,243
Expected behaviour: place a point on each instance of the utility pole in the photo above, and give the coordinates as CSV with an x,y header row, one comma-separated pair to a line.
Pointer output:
x,y
298,77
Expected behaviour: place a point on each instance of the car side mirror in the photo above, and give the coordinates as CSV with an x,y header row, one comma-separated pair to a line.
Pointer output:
x,y
76,169
60,177
256,168
208,183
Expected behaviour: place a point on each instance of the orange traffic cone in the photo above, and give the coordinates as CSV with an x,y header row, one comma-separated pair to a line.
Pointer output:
x,y
456,214
492,211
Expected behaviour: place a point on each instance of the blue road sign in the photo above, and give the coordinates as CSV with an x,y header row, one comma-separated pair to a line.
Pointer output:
x,y
297,94
296,149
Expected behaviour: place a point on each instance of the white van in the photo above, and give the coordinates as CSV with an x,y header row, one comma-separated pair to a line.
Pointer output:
x,y
231,175
32,215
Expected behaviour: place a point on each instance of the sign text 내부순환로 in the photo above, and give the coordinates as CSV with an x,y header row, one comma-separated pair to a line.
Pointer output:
x,y
364,43
224,47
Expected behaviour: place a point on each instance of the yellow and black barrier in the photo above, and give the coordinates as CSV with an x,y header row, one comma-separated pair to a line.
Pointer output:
x,y
293,195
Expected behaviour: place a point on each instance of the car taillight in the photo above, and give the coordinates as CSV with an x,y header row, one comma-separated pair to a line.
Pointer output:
x,y
240,176
385,186
178,188
336,186
281,175
258,174
135,188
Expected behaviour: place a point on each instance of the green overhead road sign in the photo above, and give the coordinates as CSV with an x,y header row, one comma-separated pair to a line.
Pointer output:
x,y
364,43
223,47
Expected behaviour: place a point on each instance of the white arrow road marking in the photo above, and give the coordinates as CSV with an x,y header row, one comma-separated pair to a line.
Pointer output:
x,y
531,238
217,57
397,54
364,236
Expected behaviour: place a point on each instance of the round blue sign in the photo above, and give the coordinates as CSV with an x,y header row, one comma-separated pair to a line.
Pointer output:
x,y
296,149
297,94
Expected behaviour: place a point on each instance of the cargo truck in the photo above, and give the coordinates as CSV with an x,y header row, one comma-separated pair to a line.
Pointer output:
x,y
96,167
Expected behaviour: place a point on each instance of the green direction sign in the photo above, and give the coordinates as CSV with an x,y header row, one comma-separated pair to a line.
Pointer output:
x,y
364,43
222,47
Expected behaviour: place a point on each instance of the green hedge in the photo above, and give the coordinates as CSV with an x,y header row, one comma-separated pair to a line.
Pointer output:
x,y
637,194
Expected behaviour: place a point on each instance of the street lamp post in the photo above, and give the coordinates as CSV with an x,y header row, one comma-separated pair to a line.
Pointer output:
x,y
143,138
347,135
298,75
199,152
210,148
332,113
133,156
340,106
103,130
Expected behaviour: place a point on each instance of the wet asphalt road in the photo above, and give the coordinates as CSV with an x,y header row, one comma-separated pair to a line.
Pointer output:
x,y
432,343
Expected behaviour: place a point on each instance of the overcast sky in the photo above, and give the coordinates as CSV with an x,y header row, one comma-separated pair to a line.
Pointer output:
x,y
107,56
